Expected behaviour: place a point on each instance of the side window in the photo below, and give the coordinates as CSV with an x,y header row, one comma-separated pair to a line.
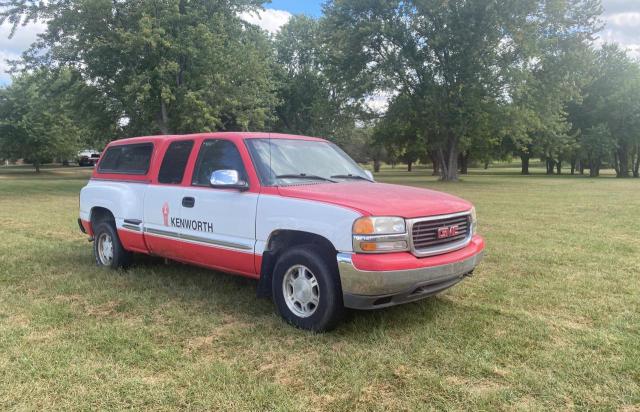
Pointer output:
x,y
174,162
215,155
131,159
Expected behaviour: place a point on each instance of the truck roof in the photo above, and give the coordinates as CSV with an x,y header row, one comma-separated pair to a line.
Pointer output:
x,y
227,135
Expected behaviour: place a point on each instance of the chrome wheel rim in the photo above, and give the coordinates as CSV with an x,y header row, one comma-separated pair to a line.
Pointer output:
x,y
301,291
105,249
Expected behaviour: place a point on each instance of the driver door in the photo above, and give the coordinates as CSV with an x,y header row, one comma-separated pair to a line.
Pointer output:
x,y
218,225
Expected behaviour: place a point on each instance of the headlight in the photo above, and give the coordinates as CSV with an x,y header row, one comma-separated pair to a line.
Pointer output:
x,y
379,226
474,221
380,235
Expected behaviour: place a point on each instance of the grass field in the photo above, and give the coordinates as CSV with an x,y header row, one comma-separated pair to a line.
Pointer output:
x,y
551,319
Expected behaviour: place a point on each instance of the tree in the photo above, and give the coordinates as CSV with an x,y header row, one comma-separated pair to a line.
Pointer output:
x,y
310,103
456,58
37,118
397,131
612,100
549,82
171,67
607,116
596,145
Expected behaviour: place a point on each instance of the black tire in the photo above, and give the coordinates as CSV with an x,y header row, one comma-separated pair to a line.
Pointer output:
x,y
120,258
329,309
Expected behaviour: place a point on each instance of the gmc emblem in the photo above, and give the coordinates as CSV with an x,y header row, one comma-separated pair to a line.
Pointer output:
x,y
445,232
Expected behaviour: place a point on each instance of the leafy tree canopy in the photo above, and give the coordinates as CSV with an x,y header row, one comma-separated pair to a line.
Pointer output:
x,y
170,67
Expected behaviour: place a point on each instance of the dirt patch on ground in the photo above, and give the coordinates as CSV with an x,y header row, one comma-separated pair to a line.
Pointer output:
x,y
19,321
48,335
74,299
475,387
107,309
229,326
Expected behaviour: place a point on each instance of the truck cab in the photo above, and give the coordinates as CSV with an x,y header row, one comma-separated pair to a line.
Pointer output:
x,y
293,212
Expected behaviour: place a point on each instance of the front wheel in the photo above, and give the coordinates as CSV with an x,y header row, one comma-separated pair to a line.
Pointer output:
x,y
107,249
306,289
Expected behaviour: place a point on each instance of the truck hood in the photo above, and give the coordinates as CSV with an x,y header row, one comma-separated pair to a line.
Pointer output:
x,y
380,199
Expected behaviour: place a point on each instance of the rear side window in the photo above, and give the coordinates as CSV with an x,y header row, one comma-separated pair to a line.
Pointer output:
x,y
217,155
174,162
130,159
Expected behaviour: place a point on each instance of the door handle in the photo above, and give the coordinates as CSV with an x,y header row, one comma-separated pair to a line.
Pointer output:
x,y
188,202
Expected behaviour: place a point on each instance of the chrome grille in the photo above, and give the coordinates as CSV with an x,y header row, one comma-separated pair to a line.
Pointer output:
x,y
424,234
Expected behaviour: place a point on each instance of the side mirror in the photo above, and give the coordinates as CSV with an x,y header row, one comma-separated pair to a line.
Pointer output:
x,y
369,175
227,179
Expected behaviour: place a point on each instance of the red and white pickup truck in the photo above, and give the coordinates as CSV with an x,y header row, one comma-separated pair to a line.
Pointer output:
x,y
294,212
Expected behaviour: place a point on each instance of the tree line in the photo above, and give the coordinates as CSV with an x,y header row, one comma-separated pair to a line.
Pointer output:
x,y
464,80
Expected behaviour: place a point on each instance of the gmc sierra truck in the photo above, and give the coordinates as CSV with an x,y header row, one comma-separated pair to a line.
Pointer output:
x,y
296,213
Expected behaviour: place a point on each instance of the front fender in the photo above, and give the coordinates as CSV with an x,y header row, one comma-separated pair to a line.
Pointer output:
x,y
332,222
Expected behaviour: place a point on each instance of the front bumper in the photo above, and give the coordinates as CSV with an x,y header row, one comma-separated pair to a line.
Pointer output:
x,y
407,280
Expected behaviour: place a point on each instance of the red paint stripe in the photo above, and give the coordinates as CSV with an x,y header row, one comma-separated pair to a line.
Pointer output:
x,y
405,260
211,257
258,264
87,227
132,241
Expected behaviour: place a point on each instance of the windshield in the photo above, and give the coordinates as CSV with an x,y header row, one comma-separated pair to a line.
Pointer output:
x,y
281,162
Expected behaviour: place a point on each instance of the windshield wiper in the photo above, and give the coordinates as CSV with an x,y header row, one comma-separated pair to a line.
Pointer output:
x,y
351,177
305,176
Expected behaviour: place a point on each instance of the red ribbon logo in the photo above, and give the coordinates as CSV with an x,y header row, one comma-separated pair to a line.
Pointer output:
x,y
165,213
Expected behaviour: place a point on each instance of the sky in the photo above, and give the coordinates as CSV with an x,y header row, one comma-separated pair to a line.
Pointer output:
x,y
622,19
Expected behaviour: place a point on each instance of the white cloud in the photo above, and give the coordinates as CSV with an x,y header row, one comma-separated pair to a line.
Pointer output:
x,y
23,37
622,25
12,48
269,19
623,20
620,6
378,103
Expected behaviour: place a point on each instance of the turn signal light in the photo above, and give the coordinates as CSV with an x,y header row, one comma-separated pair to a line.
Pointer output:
x,y
368,246
363,226
381,247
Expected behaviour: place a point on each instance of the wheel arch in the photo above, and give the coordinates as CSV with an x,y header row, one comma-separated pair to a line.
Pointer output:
x,y
279,241
99,214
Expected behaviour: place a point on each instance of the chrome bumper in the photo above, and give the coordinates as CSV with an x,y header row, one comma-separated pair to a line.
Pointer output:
x,y
372,290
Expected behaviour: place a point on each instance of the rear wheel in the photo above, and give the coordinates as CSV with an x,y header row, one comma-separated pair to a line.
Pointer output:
x,y
107,249
306,289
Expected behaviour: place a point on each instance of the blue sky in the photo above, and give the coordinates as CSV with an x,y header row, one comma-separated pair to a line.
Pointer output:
x,y
310,7
622,18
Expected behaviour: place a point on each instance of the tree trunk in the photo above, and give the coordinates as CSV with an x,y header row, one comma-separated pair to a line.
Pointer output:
x,y
635,162
36,164
525,164
163,119
464,163
409,166
559,166
573,166
376,165
594,168
622,157
449,161
435,161
486,164
550,164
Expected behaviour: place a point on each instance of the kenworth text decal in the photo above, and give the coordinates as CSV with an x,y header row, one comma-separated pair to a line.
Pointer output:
x,y
199,225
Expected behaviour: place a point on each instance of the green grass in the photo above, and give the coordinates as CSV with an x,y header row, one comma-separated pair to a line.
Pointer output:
x,y
551,319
